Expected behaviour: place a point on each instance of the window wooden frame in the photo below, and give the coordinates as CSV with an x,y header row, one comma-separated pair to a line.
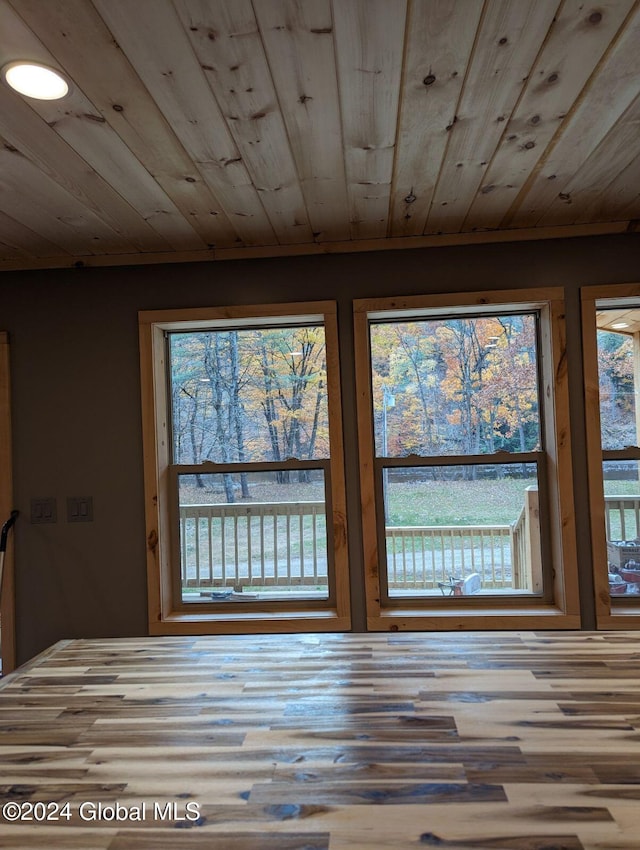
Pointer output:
x,y
610,613
167,614
560,608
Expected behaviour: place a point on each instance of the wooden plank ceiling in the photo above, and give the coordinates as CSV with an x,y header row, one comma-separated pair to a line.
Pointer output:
x,y
228,128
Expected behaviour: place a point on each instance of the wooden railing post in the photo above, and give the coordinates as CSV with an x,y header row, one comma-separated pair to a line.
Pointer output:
x,y
532,546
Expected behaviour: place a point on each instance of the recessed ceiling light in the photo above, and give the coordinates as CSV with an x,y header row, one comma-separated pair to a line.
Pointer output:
x,y
34,80
619,325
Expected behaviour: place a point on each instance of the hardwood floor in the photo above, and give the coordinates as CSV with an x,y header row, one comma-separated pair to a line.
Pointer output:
x,y
495,741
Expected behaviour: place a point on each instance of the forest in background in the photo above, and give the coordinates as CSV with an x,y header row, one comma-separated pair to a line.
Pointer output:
x,y
441,386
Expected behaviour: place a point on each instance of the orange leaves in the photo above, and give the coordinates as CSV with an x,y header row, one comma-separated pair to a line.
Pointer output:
x,y
462,384
249,394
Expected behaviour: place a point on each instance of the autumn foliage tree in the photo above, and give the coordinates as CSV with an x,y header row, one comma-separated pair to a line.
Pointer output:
x,y
461,386
249,395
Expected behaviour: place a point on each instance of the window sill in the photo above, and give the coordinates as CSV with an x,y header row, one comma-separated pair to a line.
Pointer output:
x,y
452,618
246,621
621,617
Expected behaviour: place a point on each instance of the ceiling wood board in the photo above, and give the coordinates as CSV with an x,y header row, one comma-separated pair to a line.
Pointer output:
x,y
369,37
509,38
228,44
607,95
432,85
82,44
575,44
150,34
298,39
613,155
236,128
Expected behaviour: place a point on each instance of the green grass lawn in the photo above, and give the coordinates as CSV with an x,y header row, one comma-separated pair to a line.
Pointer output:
x,y
613,487
456,502
482,502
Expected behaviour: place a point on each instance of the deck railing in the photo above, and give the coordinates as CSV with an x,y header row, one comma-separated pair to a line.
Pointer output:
x,y
420,557
253,545
285,544
622,517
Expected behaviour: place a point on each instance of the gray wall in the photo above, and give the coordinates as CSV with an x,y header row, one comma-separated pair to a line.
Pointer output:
x,y
76,400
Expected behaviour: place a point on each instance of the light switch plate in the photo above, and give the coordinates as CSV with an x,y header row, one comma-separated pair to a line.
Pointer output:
x,y
44,509
79,509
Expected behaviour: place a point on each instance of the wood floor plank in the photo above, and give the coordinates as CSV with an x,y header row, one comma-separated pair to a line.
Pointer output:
x,y
473,741
223,841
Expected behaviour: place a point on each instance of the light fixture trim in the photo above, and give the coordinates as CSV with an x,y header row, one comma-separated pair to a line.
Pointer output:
x,y
35,80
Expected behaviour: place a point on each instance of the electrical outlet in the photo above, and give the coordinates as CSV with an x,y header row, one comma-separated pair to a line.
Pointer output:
x,y
44,509
79,509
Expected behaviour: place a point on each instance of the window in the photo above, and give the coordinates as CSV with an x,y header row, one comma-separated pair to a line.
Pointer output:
x,y
465,484
611,328
245,426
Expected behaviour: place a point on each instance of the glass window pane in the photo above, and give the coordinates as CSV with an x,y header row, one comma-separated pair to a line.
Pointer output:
x,y
462,530
455,386
622,521
252,536
249,395
616,382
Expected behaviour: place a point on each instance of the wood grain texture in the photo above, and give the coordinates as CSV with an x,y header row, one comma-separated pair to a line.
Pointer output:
x,y
227,43
574,46
298,40
433,81
586,125
500,64
78,38
282,127
511,741
159,49
369,49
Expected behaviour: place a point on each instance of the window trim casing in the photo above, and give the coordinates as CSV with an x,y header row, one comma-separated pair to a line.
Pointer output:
x,y
481,612
166,614
610,613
